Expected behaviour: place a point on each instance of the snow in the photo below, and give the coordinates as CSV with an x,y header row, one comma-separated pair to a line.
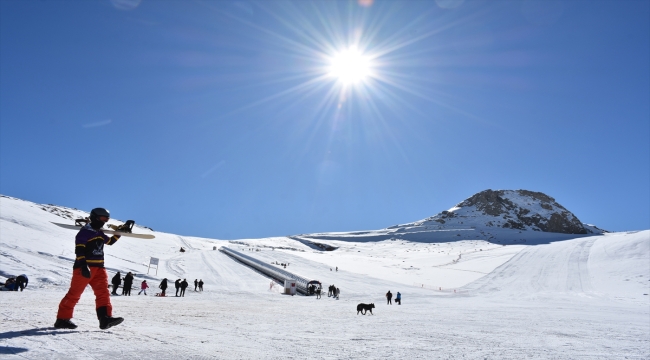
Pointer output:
x,y
553,296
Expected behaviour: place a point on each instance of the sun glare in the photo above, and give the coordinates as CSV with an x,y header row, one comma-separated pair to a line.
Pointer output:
x,y
350,66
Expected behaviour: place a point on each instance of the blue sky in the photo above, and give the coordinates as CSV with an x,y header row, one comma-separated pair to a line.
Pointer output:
x,y
220,119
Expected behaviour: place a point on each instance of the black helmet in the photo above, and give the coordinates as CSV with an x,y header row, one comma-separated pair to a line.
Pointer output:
x,y
96,212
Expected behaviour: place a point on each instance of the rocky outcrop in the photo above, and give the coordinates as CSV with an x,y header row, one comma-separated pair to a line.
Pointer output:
x,y
510,209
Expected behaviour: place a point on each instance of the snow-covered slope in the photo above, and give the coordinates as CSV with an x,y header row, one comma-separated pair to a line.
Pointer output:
x,y
586,296
501,216
508,209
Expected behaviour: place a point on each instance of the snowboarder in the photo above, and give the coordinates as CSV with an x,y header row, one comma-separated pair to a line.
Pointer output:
x,y
398,299
201,285
163,286
116,281
89,250
143,287
21,282
183,287
196,284
128,282
389,296
177,285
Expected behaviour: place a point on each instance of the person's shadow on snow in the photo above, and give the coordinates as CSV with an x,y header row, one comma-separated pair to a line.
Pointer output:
x,y
31,332
8,350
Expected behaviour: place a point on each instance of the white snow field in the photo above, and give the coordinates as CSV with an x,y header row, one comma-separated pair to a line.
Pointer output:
x,y
575,297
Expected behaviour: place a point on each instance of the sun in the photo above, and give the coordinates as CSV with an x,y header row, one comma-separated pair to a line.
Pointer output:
x,y
350,66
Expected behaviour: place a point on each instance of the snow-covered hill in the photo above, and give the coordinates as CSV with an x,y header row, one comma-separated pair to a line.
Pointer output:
x,y
508,209
464,297
501,216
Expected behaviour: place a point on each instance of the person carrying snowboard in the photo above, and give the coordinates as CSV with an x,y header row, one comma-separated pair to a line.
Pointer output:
x,y
89,250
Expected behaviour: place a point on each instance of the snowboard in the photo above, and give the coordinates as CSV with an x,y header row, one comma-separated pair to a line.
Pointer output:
x,y
107,231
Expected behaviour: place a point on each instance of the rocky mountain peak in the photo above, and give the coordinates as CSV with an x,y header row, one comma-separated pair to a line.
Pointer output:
x,y
510,209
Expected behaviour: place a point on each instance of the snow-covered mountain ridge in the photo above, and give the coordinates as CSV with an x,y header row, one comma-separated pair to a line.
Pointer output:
x,y
498,216
507,209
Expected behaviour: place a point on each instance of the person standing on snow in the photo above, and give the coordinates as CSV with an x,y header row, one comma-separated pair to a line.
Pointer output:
x,y
163,286
196,284
398,298
389,296
201,285
116,281
128,282
183,287
89,250
143,287
177,285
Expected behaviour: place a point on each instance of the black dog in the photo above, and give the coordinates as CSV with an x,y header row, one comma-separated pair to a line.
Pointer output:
x,y
364,308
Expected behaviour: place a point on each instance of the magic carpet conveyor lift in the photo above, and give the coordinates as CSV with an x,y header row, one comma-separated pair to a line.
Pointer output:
x,y
302,283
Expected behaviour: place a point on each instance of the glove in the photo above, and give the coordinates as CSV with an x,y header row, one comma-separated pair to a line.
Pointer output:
x,y
85,271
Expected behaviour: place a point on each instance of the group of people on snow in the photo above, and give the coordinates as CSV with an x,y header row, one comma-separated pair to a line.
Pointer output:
x,y
126,287
180,287
389,297
333,291
13,283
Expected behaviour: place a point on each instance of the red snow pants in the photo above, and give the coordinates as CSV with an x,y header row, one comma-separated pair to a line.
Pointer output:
x,y
98,282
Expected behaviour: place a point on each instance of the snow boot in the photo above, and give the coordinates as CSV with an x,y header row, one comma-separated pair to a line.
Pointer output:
x,y
64,324
106,321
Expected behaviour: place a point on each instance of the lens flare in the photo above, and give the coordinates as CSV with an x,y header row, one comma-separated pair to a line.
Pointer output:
x,y
350,66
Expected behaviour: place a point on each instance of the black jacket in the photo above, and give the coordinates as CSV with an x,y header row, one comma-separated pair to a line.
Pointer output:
x,y
128,280
117,279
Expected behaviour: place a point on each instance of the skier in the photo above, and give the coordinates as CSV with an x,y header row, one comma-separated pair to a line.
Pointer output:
x,y
21,282
196,284
183,287
89,250
201,285
128,282
117,280
163,286
389,296
143,287
398,298
177,285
